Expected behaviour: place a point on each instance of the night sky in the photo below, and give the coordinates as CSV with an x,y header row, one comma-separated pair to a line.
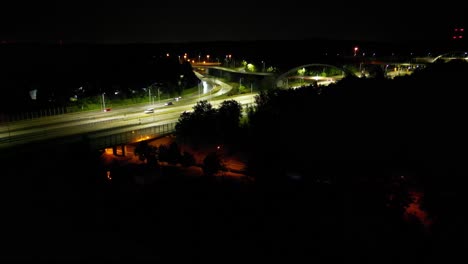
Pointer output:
x,y
200,21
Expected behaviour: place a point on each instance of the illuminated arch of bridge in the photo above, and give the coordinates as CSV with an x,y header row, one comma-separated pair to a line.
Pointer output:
x,y
455,55
282,81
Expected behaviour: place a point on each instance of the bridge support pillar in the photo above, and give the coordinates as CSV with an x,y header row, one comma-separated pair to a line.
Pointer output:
x,y
124,149
119,150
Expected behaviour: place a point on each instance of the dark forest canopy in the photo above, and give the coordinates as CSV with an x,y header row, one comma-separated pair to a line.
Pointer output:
x,y
417,117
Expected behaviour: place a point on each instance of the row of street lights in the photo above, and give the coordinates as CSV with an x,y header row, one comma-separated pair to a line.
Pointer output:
x,y
151,102
149,97
228,60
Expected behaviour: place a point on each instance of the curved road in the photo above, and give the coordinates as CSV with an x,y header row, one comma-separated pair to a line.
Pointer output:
x,y
27,131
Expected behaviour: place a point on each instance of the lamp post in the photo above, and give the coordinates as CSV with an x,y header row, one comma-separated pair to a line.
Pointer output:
x,y
103,103
9,133
149,95
263,69
199,84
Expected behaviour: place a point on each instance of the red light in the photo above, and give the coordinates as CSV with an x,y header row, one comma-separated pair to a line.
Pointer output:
x,y
456,29
460,37
462,29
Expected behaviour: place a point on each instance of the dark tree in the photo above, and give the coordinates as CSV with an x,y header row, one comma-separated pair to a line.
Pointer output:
x,y
197,127
228,121
187,159
163,153
212,163
146,152
173,153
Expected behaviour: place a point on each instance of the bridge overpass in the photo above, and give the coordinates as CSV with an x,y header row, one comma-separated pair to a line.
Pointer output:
x,y
322,72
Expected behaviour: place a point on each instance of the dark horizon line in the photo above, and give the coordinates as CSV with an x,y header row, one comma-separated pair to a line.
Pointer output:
x,y
192,42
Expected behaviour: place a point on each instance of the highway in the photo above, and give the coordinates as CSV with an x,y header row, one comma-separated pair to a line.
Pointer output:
x,y
92,122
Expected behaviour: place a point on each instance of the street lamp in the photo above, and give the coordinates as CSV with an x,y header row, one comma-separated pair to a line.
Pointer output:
x,y
199,87
103,103
8,127
213,86
159,99
149,95
263,69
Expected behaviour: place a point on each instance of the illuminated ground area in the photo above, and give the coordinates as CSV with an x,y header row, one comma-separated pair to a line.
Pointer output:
x,y
235,164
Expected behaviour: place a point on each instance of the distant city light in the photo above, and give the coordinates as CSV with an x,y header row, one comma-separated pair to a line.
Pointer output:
x,y
458,33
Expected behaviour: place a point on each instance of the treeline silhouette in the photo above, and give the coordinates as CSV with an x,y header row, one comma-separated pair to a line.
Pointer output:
x,y
83,72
